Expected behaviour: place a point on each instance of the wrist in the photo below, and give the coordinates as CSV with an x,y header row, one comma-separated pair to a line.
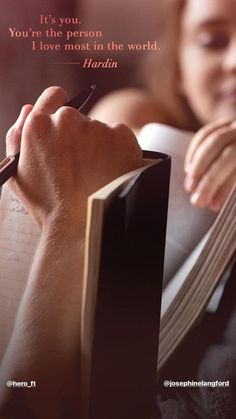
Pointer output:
x,y
63,230
62,224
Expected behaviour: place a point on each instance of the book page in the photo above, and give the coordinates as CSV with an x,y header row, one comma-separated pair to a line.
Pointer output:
x,y
186,224
18,239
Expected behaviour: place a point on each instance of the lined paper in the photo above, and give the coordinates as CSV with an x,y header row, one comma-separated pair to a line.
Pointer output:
x,y
18,239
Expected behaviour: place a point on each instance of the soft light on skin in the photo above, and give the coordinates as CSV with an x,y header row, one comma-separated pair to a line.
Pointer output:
x,y
207,58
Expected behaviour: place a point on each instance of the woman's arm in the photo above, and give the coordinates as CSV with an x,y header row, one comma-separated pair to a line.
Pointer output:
x,y
212,172
132,106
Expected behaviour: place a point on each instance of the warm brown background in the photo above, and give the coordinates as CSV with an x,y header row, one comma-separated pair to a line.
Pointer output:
x,y
24,74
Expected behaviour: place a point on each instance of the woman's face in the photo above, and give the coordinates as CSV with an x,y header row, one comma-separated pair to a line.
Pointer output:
x,y
207,58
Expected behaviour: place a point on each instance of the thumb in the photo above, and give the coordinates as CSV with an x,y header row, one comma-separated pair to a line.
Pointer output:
x,y
13,137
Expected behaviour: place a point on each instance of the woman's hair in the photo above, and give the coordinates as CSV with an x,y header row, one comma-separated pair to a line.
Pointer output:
x,y
162,72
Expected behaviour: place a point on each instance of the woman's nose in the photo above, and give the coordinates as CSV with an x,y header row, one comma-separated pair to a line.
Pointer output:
x,y
229,61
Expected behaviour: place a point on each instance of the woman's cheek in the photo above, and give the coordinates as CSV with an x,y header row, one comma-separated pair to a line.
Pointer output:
x,y
202,93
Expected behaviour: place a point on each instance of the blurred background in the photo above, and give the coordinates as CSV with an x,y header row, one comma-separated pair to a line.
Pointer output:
x,y
24,74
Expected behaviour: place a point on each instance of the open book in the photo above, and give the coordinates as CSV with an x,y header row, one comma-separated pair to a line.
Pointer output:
x,y
191,293
124,258
188,292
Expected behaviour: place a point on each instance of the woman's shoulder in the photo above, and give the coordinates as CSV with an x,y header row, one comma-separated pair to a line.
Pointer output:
x,y
134,107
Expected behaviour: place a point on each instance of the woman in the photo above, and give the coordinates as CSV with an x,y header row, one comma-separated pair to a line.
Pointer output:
x,y
193,87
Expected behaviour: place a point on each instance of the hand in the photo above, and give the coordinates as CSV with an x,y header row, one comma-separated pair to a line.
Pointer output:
x,y
65,156
210,164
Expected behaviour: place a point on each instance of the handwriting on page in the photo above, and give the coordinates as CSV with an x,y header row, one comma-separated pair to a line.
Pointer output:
x,y
16,206
18,239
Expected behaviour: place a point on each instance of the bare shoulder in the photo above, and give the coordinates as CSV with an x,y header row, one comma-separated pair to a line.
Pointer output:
x,y
133,107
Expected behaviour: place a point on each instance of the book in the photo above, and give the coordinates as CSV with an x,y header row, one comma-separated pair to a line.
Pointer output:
x,y
182,237
124,258
192,298
25,73
187,294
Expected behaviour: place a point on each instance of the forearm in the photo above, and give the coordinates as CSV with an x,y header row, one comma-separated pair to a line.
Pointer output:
x,y
64,158
45,343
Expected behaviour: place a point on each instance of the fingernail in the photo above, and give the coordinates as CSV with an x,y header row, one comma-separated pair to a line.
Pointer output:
x,y
187,166
189,183
196,198
215,205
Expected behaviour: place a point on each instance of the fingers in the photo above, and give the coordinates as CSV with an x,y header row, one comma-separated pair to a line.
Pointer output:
x,y
13,137
200,137
211,165
223,193
51,100
65,113
207,152
219,177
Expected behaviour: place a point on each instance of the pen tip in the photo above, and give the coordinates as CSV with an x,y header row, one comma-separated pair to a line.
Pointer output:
x,y
93,86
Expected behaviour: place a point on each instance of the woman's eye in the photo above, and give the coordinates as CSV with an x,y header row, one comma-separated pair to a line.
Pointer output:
x,y
213,41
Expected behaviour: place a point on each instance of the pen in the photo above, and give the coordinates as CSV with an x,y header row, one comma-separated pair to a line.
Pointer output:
x,y
8,166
